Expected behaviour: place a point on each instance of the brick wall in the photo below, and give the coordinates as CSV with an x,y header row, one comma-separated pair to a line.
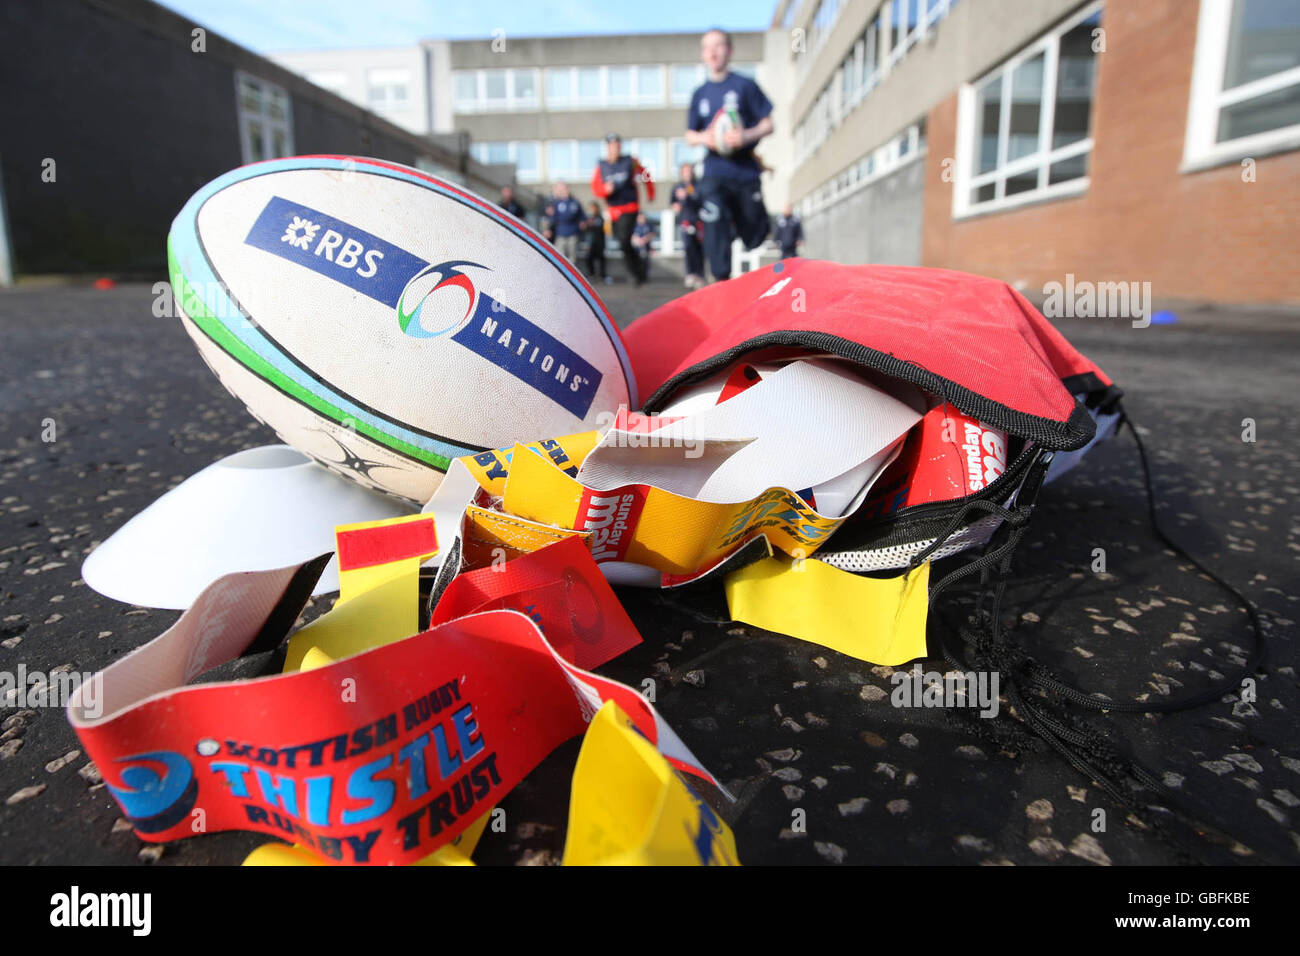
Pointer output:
x,y
1194,236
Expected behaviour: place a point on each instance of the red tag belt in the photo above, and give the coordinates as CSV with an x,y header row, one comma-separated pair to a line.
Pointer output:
x,y
378,758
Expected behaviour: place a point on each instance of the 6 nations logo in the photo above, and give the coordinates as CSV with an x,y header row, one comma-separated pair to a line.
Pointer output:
x,y
441,298
431,302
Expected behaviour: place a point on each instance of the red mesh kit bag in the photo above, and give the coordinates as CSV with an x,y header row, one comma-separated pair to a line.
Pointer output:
x,y
974,344
985,355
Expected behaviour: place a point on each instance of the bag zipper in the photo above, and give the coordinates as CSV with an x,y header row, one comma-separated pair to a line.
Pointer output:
x,y
1051,434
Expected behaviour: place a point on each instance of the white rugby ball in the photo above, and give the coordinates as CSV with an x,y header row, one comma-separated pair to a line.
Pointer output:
x,y
724,123
384,322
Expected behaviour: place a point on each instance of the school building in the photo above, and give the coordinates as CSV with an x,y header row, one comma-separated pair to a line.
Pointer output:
x,y
1122,140
540,104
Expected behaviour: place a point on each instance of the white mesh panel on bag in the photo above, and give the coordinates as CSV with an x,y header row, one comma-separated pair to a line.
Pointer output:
x,y
973,535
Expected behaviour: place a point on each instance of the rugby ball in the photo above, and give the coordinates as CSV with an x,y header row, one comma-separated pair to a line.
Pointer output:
x,y
384,322
723,123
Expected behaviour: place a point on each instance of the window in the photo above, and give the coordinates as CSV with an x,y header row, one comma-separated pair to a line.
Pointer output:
x,y
988,115
876,51
619,79
466,90
572,160
910,20
494,87
495,90
523,86
651,154
870,52
561,159
590,152
492,152
850,74
880,162
1026,108
1024,130
823,20
907,27
685,78
931,12
681,153
787,18
604,86
528,164
265,119
823,126
1245,97
650,84
559,87
388,90
589,85
525,155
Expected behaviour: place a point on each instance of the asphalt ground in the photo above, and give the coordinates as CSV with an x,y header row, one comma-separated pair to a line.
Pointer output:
x,y
789,726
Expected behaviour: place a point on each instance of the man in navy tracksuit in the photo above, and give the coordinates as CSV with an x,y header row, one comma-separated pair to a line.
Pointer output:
x,y
686,207
789,232
568,221
510,204
731,194
592,243
615,180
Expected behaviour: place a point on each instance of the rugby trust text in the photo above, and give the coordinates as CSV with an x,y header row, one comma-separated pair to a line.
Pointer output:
x,y
446,770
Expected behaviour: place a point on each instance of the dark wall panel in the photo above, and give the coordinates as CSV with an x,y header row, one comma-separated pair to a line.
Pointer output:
x,y
134,121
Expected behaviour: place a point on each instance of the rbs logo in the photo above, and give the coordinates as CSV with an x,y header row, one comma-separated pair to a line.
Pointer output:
x,y
301,233
349,254
335,249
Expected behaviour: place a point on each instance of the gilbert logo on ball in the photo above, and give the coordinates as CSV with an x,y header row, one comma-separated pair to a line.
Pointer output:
x,y
385,322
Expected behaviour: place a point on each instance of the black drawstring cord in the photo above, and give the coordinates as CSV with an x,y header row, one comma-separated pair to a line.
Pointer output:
x,y
1260,652
1088,751
1082,746
1045,679
1015,518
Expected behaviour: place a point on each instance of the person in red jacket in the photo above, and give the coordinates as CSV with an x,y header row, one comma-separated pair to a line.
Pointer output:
x,y
615,180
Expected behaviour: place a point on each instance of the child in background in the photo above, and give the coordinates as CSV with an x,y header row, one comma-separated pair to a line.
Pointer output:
x,y
568,221
593,243
546,225
686,206
642,236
